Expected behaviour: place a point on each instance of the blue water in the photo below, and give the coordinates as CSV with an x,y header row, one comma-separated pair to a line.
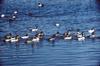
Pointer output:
x,y
83,14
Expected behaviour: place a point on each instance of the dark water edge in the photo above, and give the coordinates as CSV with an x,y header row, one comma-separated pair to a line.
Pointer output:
x,y
83,14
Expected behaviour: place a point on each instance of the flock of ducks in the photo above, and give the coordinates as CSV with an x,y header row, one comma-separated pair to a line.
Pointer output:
x,y
13,16
39,36
36,38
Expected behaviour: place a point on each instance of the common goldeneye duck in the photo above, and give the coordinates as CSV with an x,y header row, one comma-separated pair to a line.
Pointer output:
x,y
13,17
15,12
91,31
52,38
2,15
57,34
93,35
40,35
80,36
57,24
36,39
40,5
25,37
34,29
14,39
7,38
67,35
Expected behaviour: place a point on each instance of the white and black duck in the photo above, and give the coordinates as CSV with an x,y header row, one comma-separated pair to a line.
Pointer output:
x,y
67,36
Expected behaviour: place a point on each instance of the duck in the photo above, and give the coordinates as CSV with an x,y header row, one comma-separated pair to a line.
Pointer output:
x,y
13,17
91,30
32,40
15,39
25,37
2,15
57,24
52,38
36,39
57,34
7,40
67,36
40,4
29,40
93,35
34,29
80,36
7,37
40,35
15,12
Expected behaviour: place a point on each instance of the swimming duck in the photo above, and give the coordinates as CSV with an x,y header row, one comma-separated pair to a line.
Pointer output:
x,y
91,30
15,39
2,15
25,37
93,35
52,38
67,35
40,35
13,17
57,24
36,39
7,37
80,36
34,29
57,34
40,4
29,40
15,12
